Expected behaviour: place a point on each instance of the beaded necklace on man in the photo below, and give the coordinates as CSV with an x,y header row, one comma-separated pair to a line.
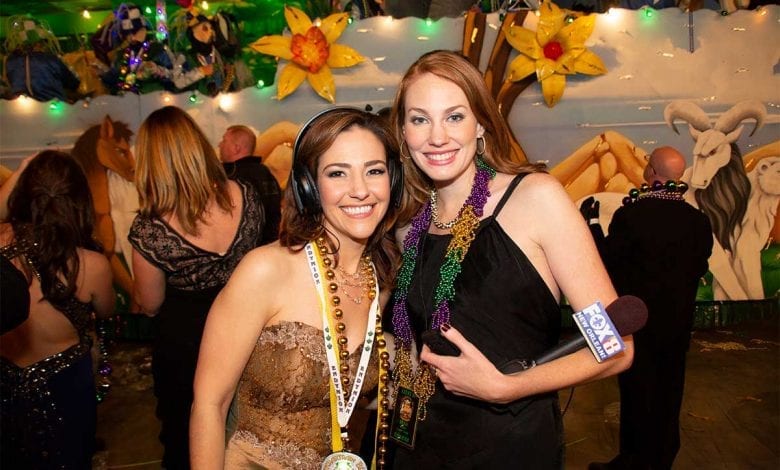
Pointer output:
x,y
670,191
423,382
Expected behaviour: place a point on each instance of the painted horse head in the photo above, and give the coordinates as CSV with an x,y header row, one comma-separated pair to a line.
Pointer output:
x,y
106,147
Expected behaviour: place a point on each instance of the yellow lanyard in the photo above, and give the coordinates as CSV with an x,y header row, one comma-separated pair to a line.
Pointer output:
x,y
342,409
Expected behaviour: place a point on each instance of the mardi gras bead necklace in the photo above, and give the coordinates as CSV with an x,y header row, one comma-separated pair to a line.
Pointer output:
x,y
463,231
671,191
344,394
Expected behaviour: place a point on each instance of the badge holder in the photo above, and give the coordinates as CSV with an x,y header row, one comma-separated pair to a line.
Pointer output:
x,y
403,427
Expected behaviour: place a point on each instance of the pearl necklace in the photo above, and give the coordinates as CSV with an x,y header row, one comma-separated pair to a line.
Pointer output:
x,y
435,211
435,214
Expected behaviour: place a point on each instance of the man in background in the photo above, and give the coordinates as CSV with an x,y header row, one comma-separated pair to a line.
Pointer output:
x,y
236,152
657,250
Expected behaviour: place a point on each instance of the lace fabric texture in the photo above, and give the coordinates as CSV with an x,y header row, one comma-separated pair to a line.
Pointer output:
x,y
283,403
188,267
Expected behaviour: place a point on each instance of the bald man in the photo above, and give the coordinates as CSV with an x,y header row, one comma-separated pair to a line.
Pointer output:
x,y
236,151
657,250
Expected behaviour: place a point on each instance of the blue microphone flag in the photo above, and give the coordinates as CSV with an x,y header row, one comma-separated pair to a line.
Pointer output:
x,y
599,331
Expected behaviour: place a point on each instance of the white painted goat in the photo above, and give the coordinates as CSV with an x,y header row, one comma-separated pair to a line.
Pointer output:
x,y
720,187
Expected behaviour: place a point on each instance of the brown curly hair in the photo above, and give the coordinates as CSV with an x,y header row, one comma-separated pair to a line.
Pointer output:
x,y
51,206
298,228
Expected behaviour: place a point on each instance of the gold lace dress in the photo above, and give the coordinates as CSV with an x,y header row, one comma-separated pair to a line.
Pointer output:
x,y
282,407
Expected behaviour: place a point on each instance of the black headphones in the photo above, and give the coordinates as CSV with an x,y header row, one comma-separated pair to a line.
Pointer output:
x,y
304,185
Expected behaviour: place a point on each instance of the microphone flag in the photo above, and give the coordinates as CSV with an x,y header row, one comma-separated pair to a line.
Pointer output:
x,y
599,332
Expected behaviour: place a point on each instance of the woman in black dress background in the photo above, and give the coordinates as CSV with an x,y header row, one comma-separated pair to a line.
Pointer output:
x,y
193,228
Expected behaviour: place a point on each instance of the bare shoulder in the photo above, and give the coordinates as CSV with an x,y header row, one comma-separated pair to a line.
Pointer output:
x,y
236,193
539,185
268,265
95,283
537,193
233,187
93,261
538,205
94,270
265,283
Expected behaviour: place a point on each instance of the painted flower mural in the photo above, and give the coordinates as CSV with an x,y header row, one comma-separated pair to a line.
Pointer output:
x,y
311,51
554,50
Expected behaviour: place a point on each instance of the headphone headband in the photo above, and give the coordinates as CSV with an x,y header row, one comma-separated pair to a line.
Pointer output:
x,y
306,125
304,185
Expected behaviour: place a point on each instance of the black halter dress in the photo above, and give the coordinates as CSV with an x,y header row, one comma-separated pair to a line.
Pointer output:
x,y
505,309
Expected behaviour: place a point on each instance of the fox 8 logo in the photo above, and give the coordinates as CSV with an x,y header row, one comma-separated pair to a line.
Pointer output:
x,y
608,339
597,322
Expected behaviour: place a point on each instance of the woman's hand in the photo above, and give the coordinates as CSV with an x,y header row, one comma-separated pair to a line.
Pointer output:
x,y
471,374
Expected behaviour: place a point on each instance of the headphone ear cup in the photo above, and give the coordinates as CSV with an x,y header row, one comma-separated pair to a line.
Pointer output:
x,y
307,198
296,190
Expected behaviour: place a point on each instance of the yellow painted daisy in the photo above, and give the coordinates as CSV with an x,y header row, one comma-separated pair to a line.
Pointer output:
x,y
554,50
311,51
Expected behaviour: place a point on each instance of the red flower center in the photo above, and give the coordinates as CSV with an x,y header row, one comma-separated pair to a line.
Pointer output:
x,y
553,50
310,51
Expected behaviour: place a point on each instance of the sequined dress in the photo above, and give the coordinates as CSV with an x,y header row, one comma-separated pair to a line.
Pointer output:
x,y
282,408
193,278
49,409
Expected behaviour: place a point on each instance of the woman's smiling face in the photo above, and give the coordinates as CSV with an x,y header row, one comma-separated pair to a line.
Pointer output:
x,y
440,128
354,184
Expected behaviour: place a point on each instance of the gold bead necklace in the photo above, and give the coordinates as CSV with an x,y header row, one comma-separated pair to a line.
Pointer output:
x,y
368,279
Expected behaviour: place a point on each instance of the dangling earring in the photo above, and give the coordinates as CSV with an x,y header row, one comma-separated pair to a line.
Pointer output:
x,y
480,148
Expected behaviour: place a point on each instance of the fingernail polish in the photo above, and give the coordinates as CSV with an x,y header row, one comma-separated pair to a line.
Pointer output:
x,y
445,327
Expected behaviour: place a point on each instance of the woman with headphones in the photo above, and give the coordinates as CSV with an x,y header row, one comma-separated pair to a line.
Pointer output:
x,y
296,334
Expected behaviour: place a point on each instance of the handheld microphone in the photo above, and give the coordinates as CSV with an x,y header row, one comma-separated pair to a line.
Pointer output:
x,y
628,313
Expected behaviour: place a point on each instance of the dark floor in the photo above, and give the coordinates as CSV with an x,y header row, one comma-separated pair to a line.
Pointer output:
x,y
730,417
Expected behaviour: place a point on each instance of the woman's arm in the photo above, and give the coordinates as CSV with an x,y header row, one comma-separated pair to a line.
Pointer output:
x,y
232,327
555,235
472,375
148,285
100,283
579,272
